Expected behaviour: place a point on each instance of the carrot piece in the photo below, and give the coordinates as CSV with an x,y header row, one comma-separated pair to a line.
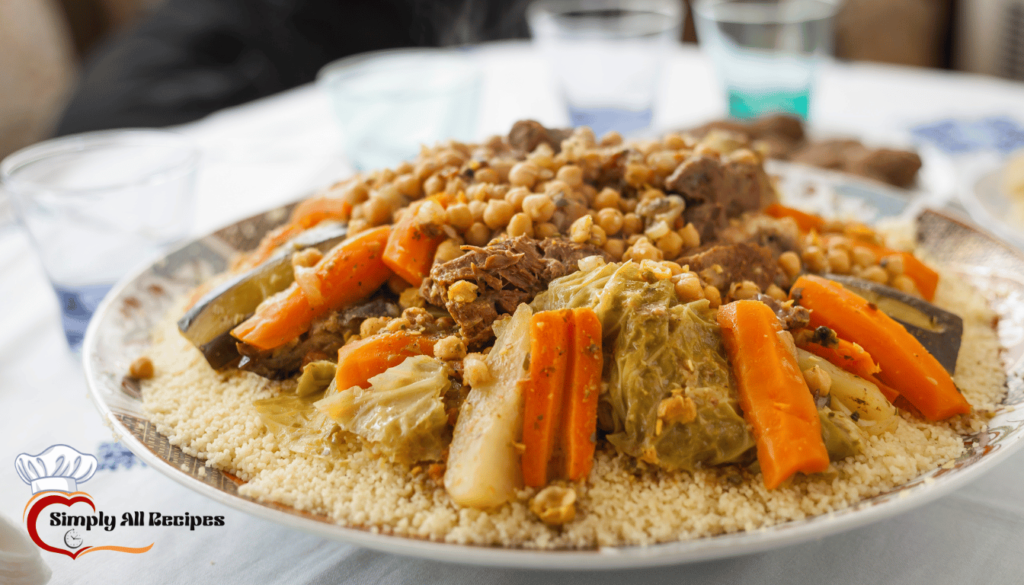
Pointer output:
x,y
350,271
361,360
773,394
270,242
805,221
852,358
314,210
550,346
410,251
906,365
926,279
583,384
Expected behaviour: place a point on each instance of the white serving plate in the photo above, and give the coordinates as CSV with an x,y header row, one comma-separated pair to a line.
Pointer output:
x,y
119,332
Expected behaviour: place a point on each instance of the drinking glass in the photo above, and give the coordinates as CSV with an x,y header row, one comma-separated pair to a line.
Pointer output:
x,y
389,103
96,204
607,56
766,51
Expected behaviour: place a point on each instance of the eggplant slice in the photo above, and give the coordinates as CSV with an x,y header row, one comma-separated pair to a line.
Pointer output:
x,y
209,322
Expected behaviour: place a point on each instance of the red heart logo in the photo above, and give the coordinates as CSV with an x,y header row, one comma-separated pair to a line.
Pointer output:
x,y
43,503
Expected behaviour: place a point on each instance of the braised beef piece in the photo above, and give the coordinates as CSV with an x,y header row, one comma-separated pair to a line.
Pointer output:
x,y
791,315
721,266
526,135
507,273
325,336
715,191
896,167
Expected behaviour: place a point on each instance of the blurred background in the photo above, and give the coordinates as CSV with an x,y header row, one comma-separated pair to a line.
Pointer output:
x,y
46,45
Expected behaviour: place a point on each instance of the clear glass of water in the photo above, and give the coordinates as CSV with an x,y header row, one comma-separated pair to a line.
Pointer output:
x,y
766,51
97,204
607,56
389,103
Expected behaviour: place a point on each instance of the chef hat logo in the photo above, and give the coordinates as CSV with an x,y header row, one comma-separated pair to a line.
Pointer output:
x,y
59,468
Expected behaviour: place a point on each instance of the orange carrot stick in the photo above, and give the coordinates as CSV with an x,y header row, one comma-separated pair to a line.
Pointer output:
x,y
773,394
314,210
350,271
852,358
583,384
550,346
906,364
361,360
411,248
805,221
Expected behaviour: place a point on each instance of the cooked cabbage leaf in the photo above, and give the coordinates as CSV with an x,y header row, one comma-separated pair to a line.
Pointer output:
x,y
316,377
842,436
401,413
612,290
302,427
663,351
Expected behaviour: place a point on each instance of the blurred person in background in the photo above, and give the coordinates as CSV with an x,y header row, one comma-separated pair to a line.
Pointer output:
x,y
192,57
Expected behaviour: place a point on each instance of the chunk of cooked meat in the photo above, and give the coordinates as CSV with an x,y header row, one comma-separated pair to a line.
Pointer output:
x,y
896,167
708,219
526,135
506,273
325,336
791,315
738,185
721,266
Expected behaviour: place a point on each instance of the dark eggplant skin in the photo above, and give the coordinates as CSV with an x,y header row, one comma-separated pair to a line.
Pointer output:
x,y
209,322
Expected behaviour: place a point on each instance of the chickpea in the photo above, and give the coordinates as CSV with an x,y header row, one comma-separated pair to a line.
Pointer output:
x,y
434,185
478,192
905,284
462,291
815,259
571,175
598,237
425,169
478,234
520,225
838,261
449,250
579,231
486,175
657,230
632,224
789,262
524,174
141,368
545,230
607,198
776,293
498,213
611,138
863,257
690,235
356,193
450,348
712,294
516,197
476,209
539,207
671,244
459,216
688,287
430,212
376,211
409,186
643,250
893,264
610,220
636,174
675,141
744,290
876,274
615,248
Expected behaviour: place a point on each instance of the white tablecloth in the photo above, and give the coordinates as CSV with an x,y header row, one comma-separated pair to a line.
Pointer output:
x,y
275,150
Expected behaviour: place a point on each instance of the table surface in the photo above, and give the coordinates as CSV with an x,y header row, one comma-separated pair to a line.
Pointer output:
x,y
275,150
